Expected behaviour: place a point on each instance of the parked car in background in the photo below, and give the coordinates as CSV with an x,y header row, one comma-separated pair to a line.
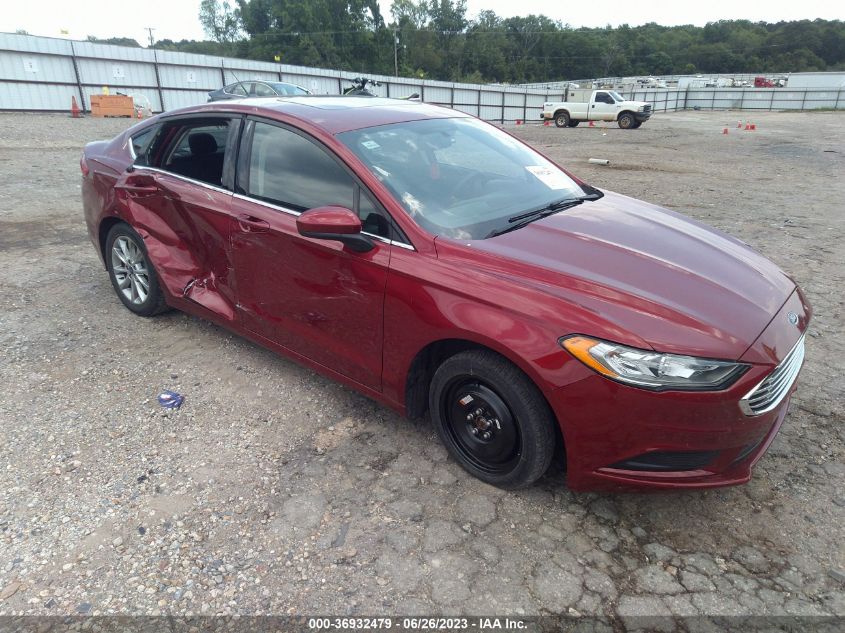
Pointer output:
x,y
596,105
436,263
257,88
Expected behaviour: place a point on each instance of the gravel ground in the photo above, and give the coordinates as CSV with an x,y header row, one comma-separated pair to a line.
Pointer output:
x,y
276,491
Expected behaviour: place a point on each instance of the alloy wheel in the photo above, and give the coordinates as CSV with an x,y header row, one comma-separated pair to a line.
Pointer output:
x,y
130,269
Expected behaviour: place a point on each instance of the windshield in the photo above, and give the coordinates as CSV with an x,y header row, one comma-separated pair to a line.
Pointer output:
x,y
618,97
460,177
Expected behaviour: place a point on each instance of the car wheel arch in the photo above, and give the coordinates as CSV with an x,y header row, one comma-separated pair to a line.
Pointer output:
x,y
426,361
105,226
435,353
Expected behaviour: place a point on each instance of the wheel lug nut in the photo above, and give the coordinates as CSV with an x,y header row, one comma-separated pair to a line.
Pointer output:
x,y
474,431
487,435
478,412
470,416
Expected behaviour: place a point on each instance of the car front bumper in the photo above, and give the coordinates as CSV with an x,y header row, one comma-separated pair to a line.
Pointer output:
x,y
620,437
642,117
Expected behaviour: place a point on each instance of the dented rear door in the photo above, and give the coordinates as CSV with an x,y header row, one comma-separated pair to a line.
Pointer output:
x,y
186,227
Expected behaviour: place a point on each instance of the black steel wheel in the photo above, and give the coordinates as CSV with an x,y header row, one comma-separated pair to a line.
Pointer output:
x,y
481,426
492,419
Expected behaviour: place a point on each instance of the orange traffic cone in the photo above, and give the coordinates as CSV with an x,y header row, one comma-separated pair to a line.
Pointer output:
x,y
519,121
739,125
753,126
725,131
140,114
591,124
74,108
546,122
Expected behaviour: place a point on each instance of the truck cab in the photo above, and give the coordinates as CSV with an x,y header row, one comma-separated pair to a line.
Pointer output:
x,y
596,105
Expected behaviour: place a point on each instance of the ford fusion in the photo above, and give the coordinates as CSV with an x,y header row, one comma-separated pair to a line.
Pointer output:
x,y
439,265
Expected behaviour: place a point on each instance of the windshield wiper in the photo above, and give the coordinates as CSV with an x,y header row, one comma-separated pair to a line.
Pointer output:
x,y
520,220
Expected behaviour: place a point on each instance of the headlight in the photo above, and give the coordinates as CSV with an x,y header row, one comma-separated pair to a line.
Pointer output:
x,y
641,109
652,370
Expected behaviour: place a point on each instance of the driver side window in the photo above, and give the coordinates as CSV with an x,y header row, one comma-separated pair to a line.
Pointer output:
x,y
263,90
289,170
603,97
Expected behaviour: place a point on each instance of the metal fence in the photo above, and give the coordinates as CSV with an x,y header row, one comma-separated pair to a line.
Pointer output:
x,y
757,99
42,74
38,73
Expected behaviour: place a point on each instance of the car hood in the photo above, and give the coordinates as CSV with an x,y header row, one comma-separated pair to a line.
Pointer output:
x,y
668,280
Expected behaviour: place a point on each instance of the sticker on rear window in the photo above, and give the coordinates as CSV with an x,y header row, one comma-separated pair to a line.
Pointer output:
x,y
552,178
370,144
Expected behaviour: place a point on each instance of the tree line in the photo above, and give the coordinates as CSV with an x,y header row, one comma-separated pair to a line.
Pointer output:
x,y
436,39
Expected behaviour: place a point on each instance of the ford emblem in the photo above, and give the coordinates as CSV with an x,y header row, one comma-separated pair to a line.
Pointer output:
x,y
793,318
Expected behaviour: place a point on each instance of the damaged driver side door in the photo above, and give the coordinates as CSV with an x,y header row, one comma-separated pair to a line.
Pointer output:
x,y
178,196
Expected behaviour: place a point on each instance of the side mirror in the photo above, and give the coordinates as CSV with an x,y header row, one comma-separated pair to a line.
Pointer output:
x,y
334,223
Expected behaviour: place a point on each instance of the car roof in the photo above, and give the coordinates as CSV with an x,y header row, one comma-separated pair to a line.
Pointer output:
x,y
334,114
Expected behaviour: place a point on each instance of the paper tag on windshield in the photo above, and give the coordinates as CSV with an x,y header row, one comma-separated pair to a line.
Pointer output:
x,y
370,144
552,178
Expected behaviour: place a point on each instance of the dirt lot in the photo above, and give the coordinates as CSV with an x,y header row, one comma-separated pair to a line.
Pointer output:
x,y
274,490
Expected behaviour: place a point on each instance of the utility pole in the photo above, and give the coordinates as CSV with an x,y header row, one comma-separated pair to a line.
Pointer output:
x,y
150,30
395,51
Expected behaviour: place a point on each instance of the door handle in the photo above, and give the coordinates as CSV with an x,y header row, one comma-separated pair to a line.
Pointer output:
x,y
251,224
138,189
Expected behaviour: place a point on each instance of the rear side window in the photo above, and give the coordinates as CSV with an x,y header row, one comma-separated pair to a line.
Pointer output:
x,y
198,151
289,170
236,89
140,142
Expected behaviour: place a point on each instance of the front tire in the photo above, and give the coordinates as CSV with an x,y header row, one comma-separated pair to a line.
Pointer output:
x,y
562,119
626,121
492,419
132,275
573,123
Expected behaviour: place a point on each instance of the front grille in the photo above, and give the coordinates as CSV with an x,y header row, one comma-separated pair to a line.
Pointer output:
x,y
647,108
769,393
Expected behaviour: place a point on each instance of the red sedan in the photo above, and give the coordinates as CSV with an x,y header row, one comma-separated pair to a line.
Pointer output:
x,y
435,263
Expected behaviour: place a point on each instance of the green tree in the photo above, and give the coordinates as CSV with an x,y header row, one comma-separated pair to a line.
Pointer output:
x,y
220,21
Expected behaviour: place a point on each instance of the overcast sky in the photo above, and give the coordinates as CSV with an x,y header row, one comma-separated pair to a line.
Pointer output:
x,y
177,19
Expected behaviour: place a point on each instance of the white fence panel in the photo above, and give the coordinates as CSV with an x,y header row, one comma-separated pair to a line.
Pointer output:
x,y
38,73
32,67
103,72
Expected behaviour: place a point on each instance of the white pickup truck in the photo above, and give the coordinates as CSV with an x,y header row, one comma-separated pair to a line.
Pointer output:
x,y
596,105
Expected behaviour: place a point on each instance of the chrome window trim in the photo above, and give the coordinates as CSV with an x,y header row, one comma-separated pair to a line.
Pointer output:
x,y
185,178
791,364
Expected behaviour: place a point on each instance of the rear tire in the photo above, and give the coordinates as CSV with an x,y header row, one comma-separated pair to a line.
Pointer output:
x,y
562,119
626,121
132,275
492,419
